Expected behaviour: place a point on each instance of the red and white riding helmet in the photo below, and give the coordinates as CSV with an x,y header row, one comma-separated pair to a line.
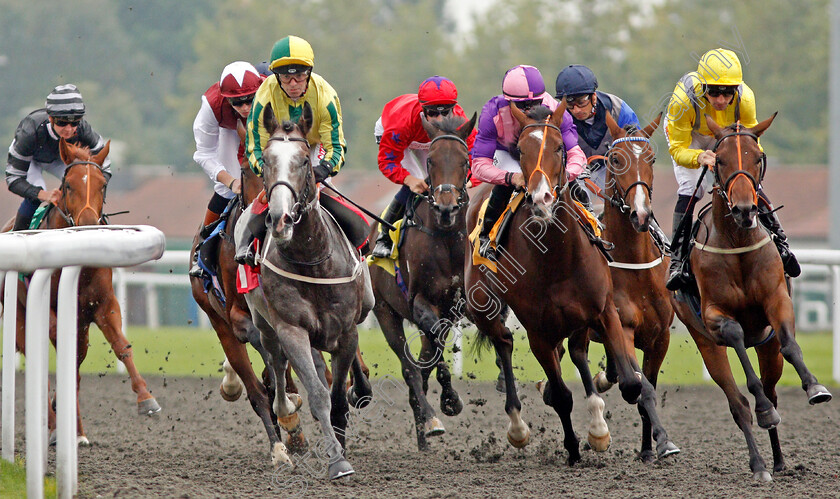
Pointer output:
x,y
238,79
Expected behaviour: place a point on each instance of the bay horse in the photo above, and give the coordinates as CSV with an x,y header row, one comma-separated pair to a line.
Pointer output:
x,y
314,290
559,286
231,319
743,292
640,265
81,203
431,263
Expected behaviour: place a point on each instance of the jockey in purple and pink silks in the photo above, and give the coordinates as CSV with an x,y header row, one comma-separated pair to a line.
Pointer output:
x,y
495,158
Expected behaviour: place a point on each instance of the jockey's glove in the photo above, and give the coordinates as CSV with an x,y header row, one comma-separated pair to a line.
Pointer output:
x,y
322,170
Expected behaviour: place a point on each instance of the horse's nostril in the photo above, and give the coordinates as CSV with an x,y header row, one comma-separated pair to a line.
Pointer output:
x,y
287,219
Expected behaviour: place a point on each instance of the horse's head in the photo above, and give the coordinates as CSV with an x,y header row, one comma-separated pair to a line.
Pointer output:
x,y
630,171
447,164
739,168
83,186
287,172
542,155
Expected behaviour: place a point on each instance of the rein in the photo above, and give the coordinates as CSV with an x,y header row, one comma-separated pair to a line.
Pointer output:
x,y
539,169
298,210
68,217
619,199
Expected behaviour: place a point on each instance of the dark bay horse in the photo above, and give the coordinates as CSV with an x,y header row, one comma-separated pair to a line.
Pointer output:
x,y
431,262
559,286
743,292
232,322
314,289
82,199
640,266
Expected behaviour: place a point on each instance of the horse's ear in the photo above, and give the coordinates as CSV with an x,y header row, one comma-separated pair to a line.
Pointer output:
x,y
714,127
648,130
518,115
466,128
557,116
764,125
269,120
66,151
99,159
431,129
616,131
305,122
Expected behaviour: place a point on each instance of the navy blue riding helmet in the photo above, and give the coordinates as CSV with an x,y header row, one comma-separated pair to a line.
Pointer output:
x,y
575,79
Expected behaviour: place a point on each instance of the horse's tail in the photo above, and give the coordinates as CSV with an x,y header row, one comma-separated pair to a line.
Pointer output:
x,y
482,339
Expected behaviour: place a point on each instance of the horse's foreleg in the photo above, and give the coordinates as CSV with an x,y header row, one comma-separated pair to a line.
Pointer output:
x,y
780,315
770,365
732,334
621,350
717,363
556,393
599,433
109,319
360,392
425,421
339,407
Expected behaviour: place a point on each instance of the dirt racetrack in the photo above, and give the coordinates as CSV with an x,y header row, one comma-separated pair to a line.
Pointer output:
x,y
202,446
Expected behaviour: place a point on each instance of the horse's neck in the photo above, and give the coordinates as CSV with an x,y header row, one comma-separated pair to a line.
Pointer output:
x,y
312,238
726,233
562,234
629,243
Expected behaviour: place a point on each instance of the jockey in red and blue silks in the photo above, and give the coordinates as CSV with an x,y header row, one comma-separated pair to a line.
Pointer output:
x,y
404,144
495,158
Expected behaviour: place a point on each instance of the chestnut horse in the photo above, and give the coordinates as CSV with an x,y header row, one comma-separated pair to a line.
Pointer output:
x,y
82,199
431,262
559,286
742,291
639,267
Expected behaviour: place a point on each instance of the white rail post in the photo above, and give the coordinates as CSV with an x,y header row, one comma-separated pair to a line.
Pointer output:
x,y
65,381
835,319
9,361
37,359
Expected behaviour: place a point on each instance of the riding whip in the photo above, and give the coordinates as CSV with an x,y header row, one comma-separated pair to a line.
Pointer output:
x,y
364,210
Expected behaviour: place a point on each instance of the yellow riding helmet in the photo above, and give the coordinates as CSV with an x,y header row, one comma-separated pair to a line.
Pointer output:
x,y
291,50
720,67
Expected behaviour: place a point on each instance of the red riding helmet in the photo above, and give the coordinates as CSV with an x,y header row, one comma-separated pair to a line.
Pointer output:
x,y
437,91
238,79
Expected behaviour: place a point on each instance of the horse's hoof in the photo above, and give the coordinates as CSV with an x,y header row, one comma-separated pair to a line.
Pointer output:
x,y
768,419
231,397
763,476
666,449
541,386
500,384
434,427
148,407
340,468
280,455
357,402
599,444
817,394
451,406
602,384
647,456
519,441
82,441
53,438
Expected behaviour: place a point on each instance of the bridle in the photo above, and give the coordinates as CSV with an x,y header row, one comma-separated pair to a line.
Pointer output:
x,y
302,201
619,196
444,188
725,187
71,221
557,190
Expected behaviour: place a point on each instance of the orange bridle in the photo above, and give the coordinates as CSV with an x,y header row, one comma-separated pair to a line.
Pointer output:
x,y
538,168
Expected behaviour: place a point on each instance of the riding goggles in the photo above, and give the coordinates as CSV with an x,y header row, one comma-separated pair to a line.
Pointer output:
x,y
61,122
435,111
718,90
525,105
241,101
573,101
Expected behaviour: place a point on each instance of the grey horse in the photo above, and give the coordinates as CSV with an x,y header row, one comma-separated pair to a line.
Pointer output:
x,y
314,287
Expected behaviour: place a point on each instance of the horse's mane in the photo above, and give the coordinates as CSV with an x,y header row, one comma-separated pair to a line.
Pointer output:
x,y
539,113
631,128
450,124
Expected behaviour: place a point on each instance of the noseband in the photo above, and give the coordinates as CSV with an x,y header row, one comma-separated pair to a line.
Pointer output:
x,y
725,188
71,221
619,197
302,201
443,188
557,190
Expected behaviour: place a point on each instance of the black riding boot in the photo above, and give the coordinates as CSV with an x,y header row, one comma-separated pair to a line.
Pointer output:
x,y
499,198
676,277
195,268
384,245
22,222
254,229
769,219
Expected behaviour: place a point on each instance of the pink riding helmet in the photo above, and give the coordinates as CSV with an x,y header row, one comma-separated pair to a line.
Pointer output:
x,y
523,83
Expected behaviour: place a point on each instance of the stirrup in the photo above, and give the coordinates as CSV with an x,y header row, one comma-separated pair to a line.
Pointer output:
x,y
246,256
197,271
